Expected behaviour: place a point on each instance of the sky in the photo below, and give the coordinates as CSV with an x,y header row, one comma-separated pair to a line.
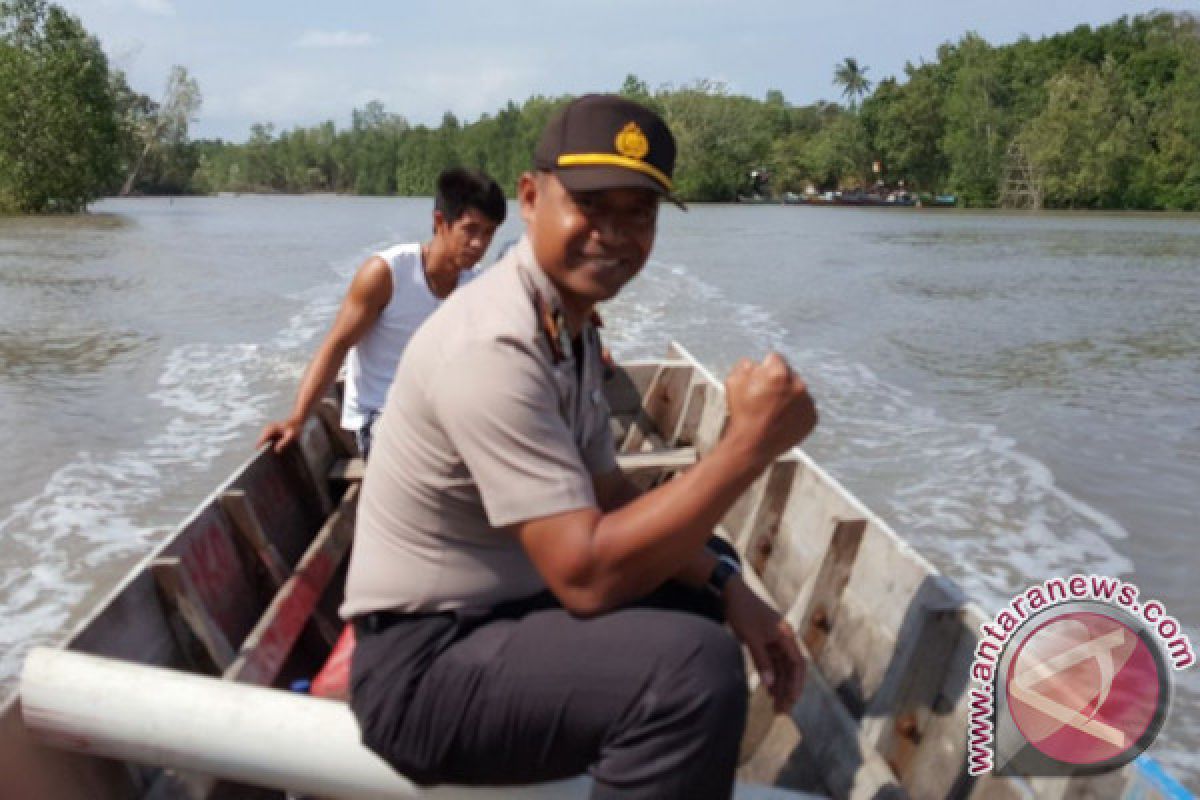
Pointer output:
x,y
299,63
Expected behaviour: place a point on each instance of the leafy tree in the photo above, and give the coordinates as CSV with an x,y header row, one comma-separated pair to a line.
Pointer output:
x,y
635,88
974,141
1168,175
1082,142
59,138
720,139
904,125
839,156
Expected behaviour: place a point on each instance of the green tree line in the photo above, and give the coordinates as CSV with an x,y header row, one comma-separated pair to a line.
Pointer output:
x,y
1093,118
1105,117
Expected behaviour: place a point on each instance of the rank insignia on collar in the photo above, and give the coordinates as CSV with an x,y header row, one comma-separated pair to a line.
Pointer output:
x,y
554,328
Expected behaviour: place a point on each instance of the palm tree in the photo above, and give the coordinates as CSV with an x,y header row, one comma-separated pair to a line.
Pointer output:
x,y
853,80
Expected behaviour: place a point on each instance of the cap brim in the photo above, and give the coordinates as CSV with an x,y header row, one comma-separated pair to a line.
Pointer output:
x,y
596,178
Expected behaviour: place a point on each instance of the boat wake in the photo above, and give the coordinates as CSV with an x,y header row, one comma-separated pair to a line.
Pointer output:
x,y
65,547
963,493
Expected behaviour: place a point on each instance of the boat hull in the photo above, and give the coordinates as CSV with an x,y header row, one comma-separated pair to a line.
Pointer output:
x,y
890,640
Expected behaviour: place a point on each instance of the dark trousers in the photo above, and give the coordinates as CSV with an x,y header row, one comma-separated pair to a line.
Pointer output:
x,y
650,700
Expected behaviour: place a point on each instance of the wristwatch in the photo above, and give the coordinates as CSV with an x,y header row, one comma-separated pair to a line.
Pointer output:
x,y
726,568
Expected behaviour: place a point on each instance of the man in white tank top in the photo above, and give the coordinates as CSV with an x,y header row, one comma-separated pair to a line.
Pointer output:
x,y
392,293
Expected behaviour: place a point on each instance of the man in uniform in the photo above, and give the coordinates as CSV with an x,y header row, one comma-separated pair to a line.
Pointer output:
x,y
523,612
392,293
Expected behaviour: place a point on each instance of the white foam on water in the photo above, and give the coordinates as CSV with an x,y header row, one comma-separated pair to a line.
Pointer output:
x,y
111,508
669,303
963,493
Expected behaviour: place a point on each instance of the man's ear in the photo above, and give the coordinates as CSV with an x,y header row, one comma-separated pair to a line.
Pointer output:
x,y
527,191
439,221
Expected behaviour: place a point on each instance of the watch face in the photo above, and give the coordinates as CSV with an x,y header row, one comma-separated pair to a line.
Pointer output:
x,y
721,574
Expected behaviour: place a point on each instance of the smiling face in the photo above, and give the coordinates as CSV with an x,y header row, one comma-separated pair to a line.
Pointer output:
x,y
465,239
590,244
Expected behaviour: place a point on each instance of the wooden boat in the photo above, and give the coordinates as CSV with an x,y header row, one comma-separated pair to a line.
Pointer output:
x,y
247,588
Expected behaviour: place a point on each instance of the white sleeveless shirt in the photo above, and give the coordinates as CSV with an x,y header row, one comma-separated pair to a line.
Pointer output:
x,y
371,364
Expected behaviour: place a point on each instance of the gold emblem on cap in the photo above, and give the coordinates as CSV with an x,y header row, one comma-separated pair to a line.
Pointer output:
x,y
631,142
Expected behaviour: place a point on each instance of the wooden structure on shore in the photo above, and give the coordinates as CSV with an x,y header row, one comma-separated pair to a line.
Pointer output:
x,y
1020,188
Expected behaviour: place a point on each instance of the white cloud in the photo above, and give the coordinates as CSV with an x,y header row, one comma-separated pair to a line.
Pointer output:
x,y
163,7
160,8
330,39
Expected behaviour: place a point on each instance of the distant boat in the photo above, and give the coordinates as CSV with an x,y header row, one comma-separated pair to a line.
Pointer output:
x,y
940,201
756,199
898,198
852,197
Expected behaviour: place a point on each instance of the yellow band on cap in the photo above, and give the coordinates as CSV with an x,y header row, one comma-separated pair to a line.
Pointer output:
x,y
610,160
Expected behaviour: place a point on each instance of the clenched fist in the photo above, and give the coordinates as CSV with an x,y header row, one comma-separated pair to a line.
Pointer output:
x,y
770,409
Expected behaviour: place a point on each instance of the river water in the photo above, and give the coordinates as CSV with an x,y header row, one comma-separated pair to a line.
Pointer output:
x,y
1018,395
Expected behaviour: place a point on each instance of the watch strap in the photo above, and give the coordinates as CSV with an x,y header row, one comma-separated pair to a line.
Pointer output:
x,y
725,568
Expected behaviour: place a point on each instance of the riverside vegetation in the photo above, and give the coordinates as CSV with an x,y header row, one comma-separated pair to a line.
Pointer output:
x,y
1105,117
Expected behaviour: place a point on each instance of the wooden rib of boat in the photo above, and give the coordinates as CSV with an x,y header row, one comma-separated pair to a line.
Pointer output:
x,y
246,590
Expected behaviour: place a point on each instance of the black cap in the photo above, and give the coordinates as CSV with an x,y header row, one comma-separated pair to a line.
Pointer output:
x,y
604,141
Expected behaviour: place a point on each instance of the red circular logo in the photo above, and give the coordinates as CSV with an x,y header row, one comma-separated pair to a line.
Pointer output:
x,y
1083,688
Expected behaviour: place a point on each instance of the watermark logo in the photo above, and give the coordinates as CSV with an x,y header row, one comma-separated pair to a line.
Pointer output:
x,y
1073,677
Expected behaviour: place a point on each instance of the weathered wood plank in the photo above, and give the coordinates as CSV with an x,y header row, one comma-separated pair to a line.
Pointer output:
x,y
329,412
704,423
831,581
349,470
713,419
657,460
249,527
219,571
743,510
179,591
642,426
310,457
762,531
268,646
247,524
819,746
684,432
665,404
830,747
905,704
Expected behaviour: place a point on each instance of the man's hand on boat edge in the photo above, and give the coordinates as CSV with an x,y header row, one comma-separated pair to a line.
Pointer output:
x,y
282,433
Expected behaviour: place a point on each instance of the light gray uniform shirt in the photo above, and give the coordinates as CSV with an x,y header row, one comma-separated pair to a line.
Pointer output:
x,y
487,424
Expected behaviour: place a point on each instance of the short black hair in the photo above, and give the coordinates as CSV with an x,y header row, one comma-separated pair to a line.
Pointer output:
x,y
459,189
